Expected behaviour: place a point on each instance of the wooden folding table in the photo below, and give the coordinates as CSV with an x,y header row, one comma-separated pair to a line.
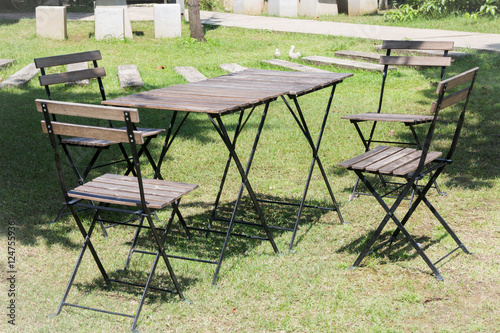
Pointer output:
x,y
237,92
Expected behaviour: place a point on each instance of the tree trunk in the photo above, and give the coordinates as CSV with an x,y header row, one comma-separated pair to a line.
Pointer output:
x,y
195,21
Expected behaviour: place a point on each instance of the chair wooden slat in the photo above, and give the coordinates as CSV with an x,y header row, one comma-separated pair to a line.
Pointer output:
x,y
415,61
354,160
83,74
87,110
92,132
389,159
389,117
68,59
454,98
88,142
361,165
404,170
123,190
457,80
153,182
417,45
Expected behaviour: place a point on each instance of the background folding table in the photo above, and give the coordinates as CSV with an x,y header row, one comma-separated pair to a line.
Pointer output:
x,y
237,92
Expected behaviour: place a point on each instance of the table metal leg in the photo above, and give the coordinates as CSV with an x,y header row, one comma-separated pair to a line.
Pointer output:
x,y
170,136
315,160
221,129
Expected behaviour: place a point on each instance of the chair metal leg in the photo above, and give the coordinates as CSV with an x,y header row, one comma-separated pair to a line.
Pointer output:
x,y
400,225
86,244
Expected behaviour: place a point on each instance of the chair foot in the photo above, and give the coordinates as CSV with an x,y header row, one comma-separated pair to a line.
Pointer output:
x,y
52,315
187,301
439,277
353,267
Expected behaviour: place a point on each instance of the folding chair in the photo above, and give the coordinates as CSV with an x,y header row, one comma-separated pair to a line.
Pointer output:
x,y
438,58
134,195
79,76
412,165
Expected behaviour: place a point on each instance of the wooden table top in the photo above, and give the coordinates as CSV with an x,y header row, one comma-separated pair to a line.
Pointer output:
x,y
231,92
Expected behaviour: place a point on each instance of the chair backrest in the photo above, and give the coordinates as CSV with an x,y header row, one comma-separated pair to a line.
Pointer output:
x,y
440,59
46,80
450,92
130,135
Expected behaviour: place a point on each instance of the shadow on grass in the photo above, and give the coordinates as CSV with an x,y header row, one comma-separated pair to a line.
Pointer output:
x,y
399,250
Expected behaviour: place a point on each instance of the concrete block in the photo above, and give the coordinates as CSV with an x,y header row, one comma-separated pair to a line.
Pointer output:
x,y
6,62
357,7
190,73
109,22
294,66
249,7
51,22
129,76
118,4
232,67
313,8
167,20
20,77
283,8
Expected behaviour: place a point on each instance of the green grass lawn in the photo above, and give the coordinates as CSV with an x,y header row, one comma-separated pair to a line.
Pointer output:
x,y
309,291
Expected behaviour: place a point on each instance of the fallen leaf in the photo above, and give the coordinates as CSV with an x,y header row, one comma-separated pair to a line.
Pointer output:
x,y
391,132
160,67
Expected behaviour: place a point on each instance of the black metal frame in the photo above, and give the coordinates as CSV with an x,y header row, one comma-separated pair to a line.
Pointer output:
x,y
411,184
143,212
369,141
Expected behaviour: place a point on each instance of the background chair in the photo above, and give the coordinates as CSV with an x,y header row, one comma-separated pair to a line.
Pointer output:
x,y
439,58
413,165
131,195
73,69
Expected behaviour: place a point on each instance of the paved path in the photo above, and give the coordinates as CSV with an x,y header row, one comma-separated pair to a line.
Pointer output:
x,y
480,41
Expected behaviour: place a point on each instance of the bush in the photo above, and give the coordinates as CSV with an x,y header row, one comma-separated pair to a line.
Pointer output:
x,y
412,9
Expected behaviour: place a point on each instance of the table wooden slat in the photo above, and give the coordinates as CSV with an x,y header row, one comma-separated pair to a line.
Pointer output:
x,y
231,92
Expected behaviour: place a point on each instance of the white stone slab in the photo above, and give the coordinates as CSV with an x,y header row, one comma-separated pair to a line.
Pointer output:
x,y
109,22
51,22
294,66
283,8
129,76
232,68
249,7
167,20
6,62
313,8
20,77
190,73
345,63
118,4
357,7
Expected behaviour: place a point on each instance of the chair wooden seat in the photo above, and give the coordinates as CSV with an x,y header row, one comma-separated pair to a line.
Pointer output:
x,y
80,141
390,161
123,190
407,119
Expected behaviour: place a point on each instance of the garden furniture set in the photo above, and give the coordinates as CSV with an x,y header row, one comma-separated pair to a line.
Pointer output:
x,y
237,93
